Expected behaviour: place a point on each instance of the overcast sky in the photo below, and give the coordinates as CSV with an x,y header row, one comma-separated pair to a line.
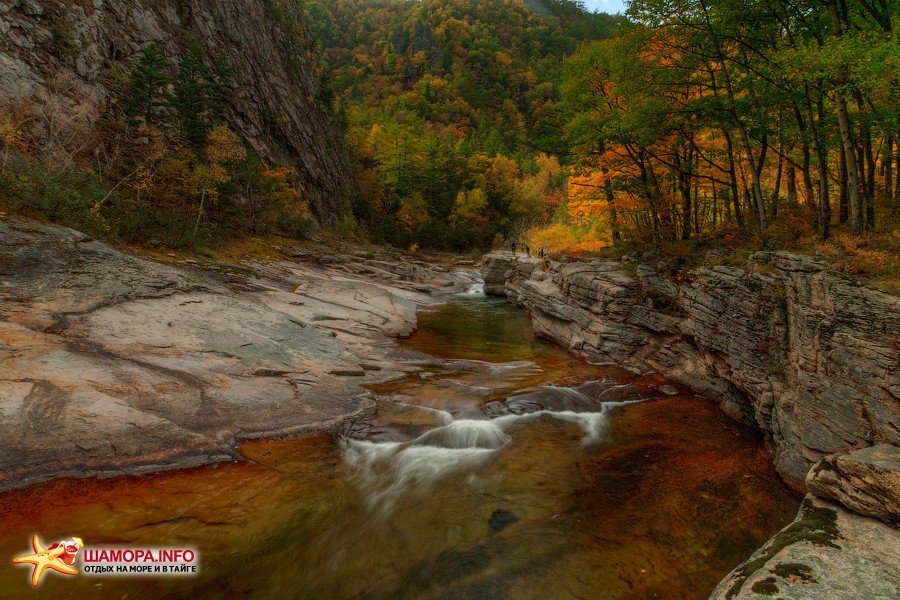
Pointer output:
x,y
610,6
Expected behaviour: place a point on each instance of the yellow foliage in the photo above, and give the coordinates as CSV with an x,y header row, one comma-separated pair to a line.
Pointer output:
x,y
468,205
555,238
413,213
566,239
223,146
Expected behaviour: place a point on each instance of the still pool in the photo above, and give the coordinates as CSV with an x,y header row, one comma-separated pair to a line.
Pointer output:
x,y
505,468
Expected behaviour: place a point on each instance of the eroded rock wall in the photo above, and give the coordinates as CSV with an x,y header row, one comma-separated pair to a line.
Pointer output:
x,y
808,356
73,57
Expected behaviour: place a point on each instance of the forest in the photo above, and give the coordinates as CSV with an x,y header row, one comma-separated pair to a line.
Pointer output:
x,y
453,112
774,122
472,125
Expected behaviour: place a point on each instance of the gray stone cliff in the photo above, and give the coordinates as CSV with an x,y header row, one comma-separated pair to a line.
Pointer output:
x,y
77,54
808,356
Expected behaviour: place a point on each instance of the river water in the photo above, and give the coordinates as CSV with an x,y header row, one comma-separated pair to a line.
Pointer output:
x,y
505,468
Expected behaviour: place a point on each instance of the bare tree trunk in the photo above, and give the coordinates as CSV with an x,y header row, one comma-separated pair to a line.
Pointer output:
x,y
867,157
757,188
697,209
792,184
611,203
777,191
822,158
888,162
870,183
844,203
715,206
856,214
732,172
199,213
683,177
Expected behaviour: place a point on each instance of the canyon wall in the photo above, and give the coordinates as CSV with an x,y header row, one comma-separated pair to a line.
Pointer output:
x,y
808,356
73,57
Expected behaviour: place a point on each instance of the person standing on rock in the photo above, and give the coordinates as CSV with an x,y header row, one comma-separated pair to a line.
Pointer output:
x,y
528,251
513,248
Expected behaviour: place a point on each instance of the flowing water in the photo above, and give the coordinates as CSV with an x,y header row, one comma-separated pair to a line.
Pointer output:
x,y
503,469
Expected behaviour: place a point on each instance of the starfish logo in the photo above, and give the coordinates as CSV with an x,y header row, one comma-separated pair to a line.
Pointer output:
x,y
58,557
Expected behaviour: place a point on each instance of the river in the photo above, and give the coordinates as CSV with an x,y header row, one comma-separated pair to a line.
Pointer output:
x,y
504,468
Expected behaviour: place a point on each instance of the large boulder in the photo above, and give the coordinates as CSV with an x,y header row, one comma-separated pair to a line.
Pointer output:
x,y
827,552
866,481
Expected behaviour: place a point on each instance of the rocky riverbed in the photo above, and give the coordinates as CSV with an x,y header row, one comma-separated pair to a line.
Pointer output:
x,y
112,363
808,356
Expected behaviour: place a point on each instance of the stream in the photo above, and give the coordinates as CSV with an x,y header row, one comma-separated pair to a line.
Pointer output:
x,y
504,468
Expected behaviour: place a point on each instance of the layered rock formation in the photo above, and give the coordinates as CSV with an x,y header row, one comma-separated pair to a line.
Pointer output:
x,y
70,57
867,481
112,363
808,356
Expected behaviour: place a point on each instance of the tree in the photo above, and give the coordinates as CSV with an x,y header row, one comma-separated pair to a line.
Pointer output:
x,y
198,95
148,94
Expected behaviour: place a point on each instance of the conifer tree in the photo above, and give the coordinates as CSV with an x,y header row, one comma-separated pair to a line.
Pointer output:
x,y
199,94
148,89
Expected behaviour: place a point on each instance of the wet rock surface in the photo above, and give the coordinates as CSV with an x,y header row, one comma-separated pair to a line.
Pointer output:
x,y
807,356
113,363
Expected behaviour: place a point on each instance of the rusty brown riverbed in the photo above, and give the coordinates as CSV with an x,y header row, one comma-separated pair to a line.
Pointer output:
x,y
505,468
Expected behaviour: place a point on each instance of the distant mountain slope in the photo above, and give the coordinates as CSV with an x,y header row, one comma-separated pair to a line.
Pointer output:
x,y
433,91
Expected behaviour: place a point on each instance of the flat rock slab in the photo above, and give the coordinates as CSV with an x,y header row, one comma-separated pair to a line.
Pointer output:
x,y
826,553
112,363
866,481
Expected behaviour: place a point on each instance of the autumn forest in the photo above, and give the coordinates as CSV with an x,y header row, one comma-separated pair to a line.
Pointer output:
x,y
499,120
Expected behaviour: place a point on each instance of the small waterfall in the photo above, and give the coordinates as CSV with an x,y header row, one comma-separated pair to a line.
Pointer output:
x,y
444,417
387,470
473,289
464,434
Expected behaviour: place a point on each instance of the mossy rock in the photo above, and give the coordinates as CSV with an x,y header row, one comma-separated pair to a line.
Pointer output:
x,y
816,525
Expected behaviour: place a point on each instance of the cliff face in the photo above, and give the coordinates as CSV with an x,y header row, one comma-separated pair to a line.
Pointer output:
x,y
78,53
809,357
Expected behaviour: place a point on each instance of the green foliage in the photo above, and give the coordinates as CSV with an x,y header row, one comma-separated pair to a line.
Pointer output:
x,y
698,117
165,192
148,95
68,197
448,106
198,94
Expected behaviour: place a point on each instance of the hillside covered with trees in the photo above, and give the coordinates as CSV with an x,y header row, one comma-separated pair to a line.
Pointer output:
x,y
471,123
452,111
